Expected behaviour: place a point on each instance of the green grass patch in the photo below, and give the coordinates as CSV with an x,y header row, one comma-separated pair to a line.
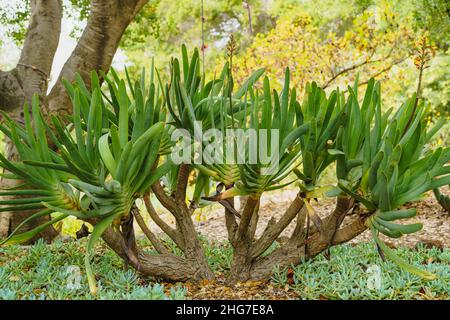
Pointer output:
x,y
346,275
56,272
47,272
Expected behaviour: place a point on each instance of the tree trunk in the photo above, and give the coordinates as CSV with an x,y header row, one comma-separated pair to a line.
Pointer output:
x,y
19,85
249,262
166,266
241,265
96,48
193,249
242,242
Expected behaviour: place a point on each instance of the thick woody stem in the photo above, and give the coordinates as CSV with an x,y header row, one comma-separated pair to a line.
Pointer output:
x,y
39,47
185,235
350,231
274,229
293,254
12,96
242,241
149,234
253,223
171,232
343,205
167,266
247,214
230,222
163,198
299,234
183,177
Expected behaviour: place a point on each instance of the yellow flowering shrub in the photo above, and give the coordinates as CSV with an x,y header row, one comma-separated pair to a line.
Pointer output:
x,y
372,46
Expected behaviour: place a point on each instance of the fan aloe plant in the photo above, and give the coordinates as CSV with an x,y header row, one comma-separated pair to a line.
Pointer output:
x,y
391,168
116,147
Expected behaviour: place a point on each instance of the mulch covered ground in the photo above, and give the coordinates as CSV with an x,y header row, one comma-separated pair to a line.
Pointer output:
x,y
250,290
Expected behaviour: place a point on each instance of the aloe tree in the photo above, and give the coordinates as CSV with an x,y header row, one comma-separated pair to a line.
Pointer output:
x,y
116,147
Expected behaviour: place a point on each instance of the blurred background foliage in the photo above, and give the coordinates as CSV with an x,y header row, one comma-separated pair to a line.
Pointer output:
x,y
329,41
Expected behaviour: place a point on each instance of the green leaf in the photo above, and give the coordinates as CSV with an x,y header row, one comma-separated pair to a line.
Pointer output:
x,y
369,205
335,152
106,154
26,236
395,215
399,261
123,114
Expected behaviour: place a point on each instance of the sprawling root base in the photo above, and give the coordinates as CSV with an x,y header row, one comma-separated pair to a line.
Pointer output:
x,y
250,261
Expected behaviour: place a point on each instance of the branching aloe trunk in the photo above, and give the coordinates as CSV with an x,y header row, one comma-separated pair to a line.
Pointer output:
x,y
166,265
185,234
242,240
252,261
250,258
